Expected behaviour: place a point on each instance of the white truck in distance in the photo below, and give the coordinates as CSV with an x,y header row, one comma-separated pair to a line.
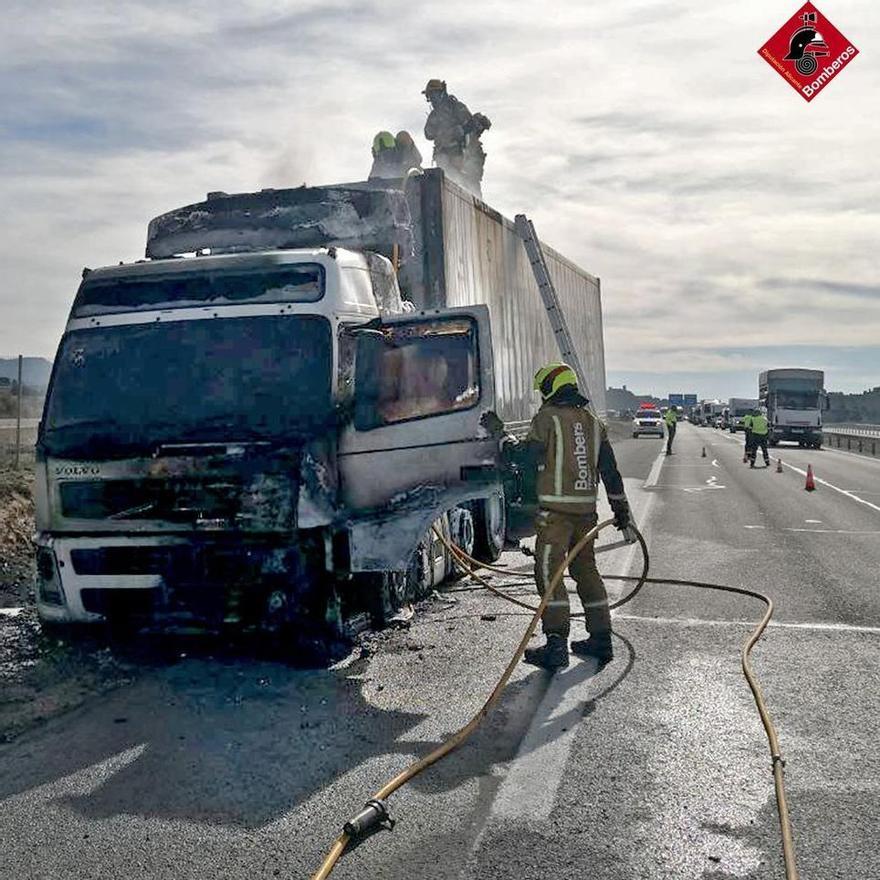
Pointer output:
x,y
794,399
739,408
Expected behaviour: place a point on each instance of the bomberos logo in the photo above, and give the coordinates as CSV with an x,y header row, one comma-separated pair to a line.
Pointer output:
x,y
808,51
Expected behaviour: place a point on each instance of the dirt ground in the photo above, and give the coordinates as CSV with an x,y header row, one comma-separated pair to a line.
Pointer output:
x,y
16,532
40,675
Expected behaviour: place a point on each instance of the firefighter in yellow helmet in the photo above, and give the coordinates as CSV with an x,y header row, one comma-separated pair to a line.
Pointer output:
x,y
570,447
385,156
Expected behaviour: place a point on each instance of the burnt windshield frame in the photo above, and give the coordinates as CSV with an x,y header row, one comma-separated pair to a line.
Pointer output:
x,y
257,378
211,287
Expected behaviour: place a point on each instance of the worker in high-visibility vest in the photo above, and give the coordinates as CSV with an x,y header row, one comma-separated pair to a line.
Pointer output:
x,y
760,431
569,445
747,429
671,419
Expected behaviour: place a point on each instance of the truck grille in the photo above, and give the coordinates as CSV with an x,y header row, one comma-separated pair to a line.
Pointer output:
x,y
185,562
170,500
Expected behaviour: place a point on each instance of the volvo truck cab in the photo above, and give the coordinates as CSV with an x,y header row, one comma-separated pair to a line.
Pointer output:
x,y
224,432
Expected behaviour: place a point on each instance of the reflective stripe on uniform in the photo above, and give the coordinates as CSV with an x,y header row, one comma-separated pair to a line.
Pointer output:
x,y
568,499
560,454
597,442
621,497
545,566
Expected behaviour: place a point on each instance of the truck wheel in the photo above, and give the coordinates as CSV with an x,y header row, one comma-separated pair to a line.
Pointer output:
x,y
461,528
387,594
635,435
420,575
490,526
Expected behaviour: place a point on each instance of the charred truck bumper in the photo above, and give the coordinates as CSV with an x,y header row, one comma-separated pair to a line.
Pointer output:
x,y
213,580
223,538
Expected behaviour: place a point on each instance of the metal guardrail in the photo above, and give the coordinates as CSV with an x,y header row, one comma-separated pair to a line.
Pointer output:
x,y
863,439
854,428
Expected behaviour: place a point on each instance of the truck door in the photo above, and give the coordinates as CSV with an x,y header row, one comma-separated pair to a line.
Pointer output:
x,y
422,384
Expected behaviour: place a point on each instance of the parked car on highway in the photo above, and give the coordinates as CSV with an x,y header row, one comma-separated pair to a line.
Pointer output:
x,y
648,421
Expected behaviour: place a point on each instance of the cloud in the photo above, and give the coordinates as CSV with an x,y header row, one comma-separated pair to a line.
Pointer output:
x,y
726,217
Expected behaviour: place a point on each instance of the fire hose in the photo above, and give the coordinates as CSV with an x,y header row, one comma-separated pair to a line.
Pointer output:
x,y
375,813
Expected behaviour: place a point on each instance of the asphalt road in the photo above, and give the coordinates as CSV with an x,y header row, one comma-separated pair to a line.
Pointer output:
x,y
654,767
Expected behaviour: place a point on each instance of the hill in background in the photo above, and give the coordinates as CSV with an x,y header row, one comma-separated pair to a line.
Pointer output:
x,y
34,370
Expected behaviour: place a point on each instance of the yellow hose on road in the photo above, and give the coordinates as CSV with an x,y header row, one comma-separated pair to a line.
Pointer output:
x,y
777,761
461,735
471,565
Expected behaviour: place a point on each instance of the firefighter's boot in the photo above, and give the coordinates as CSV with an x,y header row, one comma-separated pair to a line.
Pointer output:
x,y
597,647
552,655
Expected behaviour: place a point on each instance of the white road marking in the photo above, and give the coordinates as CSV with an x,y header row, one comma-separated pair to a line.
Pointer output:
x,y
697,621
529,789
834,531
816,521
654,473
822,482
711,483
754,527
715,463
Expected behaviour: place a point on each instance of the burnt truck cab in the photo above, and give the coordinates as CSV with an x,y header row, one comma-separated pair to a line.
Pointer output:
x,y
223,432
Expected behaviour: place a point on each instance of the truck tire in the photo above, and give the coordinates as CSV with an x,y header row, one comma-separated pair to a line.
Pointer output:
x,y
490,526
387,593
461,533
635,435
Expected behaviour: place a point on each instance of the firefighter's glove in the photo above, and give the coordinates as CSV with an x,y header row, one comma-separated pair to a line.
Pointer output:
x,y
621,516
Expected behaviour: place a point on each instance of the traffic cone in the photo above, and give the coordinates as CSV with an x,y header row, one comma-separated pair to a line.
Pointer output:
x,y
704,453
778,465
810,485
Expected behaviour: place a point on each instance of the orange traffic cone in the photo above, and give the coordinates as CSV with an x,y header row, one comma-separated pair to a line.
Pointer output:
x,y
778,465
704,453
810,485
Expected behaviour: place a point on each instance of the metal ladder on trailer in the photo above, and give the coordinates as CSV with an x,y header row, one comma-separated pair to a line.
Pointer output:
x,y
526,231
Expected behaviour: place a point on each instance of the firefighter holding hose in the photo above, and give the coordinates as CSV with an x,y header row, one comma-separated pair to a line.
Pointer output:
x,y
570,447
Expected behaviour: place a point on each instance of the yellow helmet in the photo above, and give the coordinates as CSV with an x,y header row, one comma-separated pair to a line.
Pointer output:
x,y
383,141
549,379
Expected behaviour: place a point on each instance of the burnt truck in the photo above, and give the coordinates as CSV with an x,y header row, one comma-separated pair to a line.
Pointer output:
x,y
264,421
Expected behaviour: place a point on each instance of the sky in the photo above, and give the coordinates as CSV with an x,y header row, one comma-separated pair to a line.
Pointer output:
x,y
735,226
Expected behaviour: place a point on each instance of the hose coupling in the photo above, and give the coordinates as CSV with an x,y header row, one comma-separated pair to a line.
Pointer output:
x,y
374,814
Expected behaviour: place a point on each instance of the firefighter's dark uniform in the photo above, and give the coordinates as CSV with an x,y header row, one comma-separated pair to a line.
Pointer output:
x,y
571,447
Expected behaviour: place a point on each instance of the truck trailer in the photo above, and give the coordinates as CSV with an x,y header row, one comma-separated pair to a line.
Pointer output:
x,y
261,422
794,399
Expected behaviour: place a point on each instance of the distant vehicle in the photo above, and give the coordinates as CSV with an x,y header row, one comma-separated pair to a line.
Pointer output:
x,y
648,420
725,418
739,408
709,412
794,399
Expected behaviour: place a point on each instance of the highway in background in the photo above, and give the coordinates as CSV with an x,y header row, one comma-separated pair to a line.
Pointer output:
x,y
654,767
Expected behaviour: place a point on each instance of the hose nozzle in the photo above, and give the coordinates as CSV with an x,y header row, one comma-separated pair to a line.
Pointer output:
x,y
374,814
